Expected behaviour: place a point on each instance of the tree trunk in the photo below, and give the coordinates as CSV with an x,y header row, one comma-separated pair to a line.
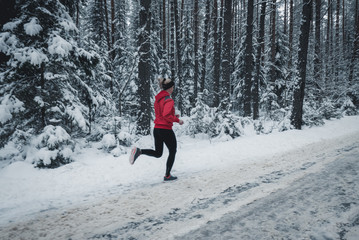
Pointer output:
x,y
144,70
227,49
299,87
172,42
248,60
355,52
179,54
196,54
285,16
113,53
204,47
338,59
164,26
291,24
317,55
273,41
255,93
217,55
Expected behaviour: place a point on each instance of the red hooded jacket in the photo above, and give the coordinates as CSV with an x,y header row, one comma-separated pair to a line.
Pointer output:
x,y
165,111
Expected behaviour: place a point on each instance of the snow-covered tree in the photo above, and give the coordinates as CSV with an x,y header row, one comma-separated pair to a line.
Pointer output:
x,y
46,78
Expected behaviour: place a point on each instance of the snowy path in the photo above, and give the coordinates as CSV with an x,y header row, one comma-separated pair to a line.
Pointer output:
x,y
321,205
263,197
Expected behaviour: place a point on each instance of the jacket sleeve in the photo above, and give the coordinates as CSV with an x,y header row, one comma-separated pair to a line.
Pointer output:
x,y
168,111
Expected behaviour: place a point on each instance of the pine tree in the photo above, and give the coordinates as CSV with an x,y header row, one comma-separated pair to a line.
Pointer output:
x,y
46,72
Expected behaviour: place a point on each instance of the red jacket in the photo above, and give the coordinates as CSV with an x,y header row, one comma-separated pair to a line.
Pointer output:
x,y
165,111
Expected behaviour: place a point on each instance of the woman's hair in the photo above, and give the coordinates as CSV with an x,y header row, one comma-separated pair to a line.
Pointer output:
x,y
165,83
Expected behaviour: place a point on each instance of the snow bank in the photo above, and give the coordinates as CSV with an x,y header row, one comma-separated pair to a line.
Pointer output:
x,y
95,173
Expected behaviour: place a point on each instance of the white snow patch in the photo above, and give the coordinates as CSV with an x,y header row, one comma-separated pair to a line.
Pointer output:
x,y
37,57
9,105
76,116
32,28
68,25
11,25
58,45
108,141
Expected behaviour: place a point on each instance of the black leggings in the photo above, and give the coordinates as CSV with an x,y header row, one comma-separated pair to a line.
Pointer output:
x,y
163,136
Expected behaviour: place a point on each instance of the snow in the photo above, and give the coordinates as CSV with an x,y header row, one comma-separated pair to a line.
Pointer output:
x,y
29,54
9,105
68,25
11,25
108,141
32,28
108,190
58,45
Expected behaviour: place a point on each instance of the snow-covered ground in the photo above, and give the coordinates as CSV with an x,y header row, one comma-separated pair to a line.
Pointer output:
x,y
103,197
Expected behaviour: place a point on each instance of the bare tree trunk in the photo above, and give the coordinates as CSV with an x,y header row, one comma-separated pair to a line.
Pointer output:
x,y
144,69
328,47
299,87
204,47
255,93
196,54
291,24
337,43
107,28
273,41
355,52
178,55
248,60
317,47
285,16
164,35
113,54
217,57
172,42
227,49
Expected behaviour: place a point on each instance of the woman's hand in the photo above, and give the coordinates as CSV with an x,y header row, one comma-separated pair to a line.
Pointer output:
x,y
180,122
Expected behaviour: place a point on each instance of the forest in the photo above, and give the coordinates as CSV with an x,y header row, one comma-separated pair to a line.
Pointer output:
x,y
74,70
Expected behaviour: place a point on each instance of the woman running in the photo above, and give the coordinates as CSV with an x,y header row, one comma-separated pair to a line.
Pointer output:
x,y
163,133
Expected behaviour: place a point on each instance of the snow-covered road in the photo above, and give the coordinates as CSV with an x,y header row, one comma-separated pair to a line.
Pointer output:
x,y
320,205
307,193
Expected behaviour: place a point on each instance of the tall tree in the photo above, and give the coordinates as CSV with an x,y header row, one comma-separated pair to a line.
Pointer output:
x,y
217,55
260,45
204,46
317,47
248,60
178,54
299,87
273,41
196,48
227,49
355,52
291,29
144,69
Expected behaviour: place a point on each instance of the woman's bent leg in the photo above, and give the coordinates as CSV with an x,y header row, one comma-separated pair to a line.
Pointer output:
x,y
158,145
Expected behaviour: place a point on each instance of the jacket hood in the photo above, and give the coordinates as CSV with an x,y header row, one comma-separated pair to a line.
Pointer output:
x,y
161,95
